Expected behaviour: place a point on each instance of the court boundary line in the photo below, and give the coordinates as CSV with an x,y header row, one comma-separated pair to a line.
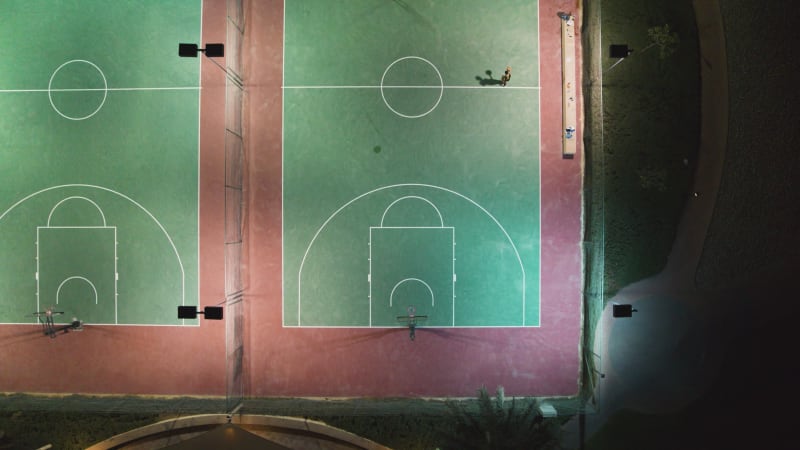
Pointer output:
x,y
539,185
539,150
199,167
283,168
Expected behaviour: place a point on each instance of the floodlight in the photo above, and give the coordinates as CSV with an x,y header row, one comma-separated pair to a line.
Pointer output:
x,y
187,312
191,312
620,51
215,50
623,310
191,50
213,312
187,50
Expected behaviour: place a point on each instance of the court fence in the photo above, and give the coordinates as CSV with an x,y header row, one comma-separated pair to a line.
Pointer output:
x,y
594,205
234,206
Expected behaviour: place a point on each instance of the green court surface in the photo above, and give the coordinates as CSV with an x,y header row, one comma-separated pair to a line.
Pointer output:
x,y
100,139
410,177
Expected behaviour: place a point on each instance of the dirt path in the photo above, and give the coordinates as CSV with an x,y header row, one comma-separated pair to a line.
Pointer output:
x,y
688,246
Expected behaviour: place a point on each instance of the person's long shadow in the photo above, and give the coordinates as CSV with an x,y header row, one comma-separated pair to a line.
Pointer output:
x,y
487,81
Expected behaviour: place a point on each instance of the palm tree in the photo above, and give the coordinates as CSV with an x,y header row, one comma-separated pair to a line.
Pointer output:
x,y
500,425
660,36
666,40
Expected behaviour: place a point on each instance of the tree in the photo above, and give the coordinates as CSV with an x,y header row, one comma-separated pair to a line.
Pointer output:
x,y
661,37
666,41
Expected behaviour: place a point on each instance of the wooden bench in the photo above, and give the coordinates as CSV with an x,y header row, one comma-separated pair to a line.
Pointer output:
x,y
569,87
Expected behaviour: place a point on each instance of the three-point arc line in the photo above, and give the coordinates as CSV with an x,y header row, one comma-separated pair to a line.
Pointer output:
x,y
430,186
149,214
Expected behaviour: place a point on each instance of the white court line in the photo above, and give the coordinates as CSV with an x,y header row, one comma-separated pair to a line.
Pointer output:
x,y
176,88
283,175
413,197
433,298
76,197
411,87
403,185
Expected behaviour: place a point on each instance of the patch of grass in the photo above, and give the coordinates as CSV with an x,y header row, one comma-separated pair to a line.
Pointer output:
x,y
650,135
484,422
400,431
501,425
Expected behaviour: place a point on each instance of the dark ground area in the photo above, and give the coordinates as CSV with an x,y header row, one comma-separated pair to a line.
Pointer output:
x,y
754,232
752,250
650,135
751,254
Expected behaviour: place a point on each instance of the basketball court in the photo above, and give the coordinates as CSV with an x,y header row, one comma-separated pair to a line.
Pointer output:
x,y
99,212
386,180
382,205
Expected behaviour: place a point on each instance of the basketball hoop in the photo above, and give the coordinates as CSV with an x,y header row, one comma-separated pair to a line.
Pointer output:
x,y
411,320
48,323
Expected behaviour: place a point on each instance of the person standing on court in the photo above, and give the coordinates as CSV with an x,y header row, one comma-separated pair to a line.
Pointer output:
x,y
506,76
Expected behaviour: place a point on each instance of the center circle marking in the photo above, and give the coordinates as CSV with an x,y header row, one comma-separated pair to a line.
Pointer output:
x,y
50,92
441,87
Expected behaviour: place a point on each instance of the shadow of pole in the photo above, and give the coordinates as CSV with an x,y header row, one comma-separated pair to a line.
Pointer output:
x,y
23,336
369,336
